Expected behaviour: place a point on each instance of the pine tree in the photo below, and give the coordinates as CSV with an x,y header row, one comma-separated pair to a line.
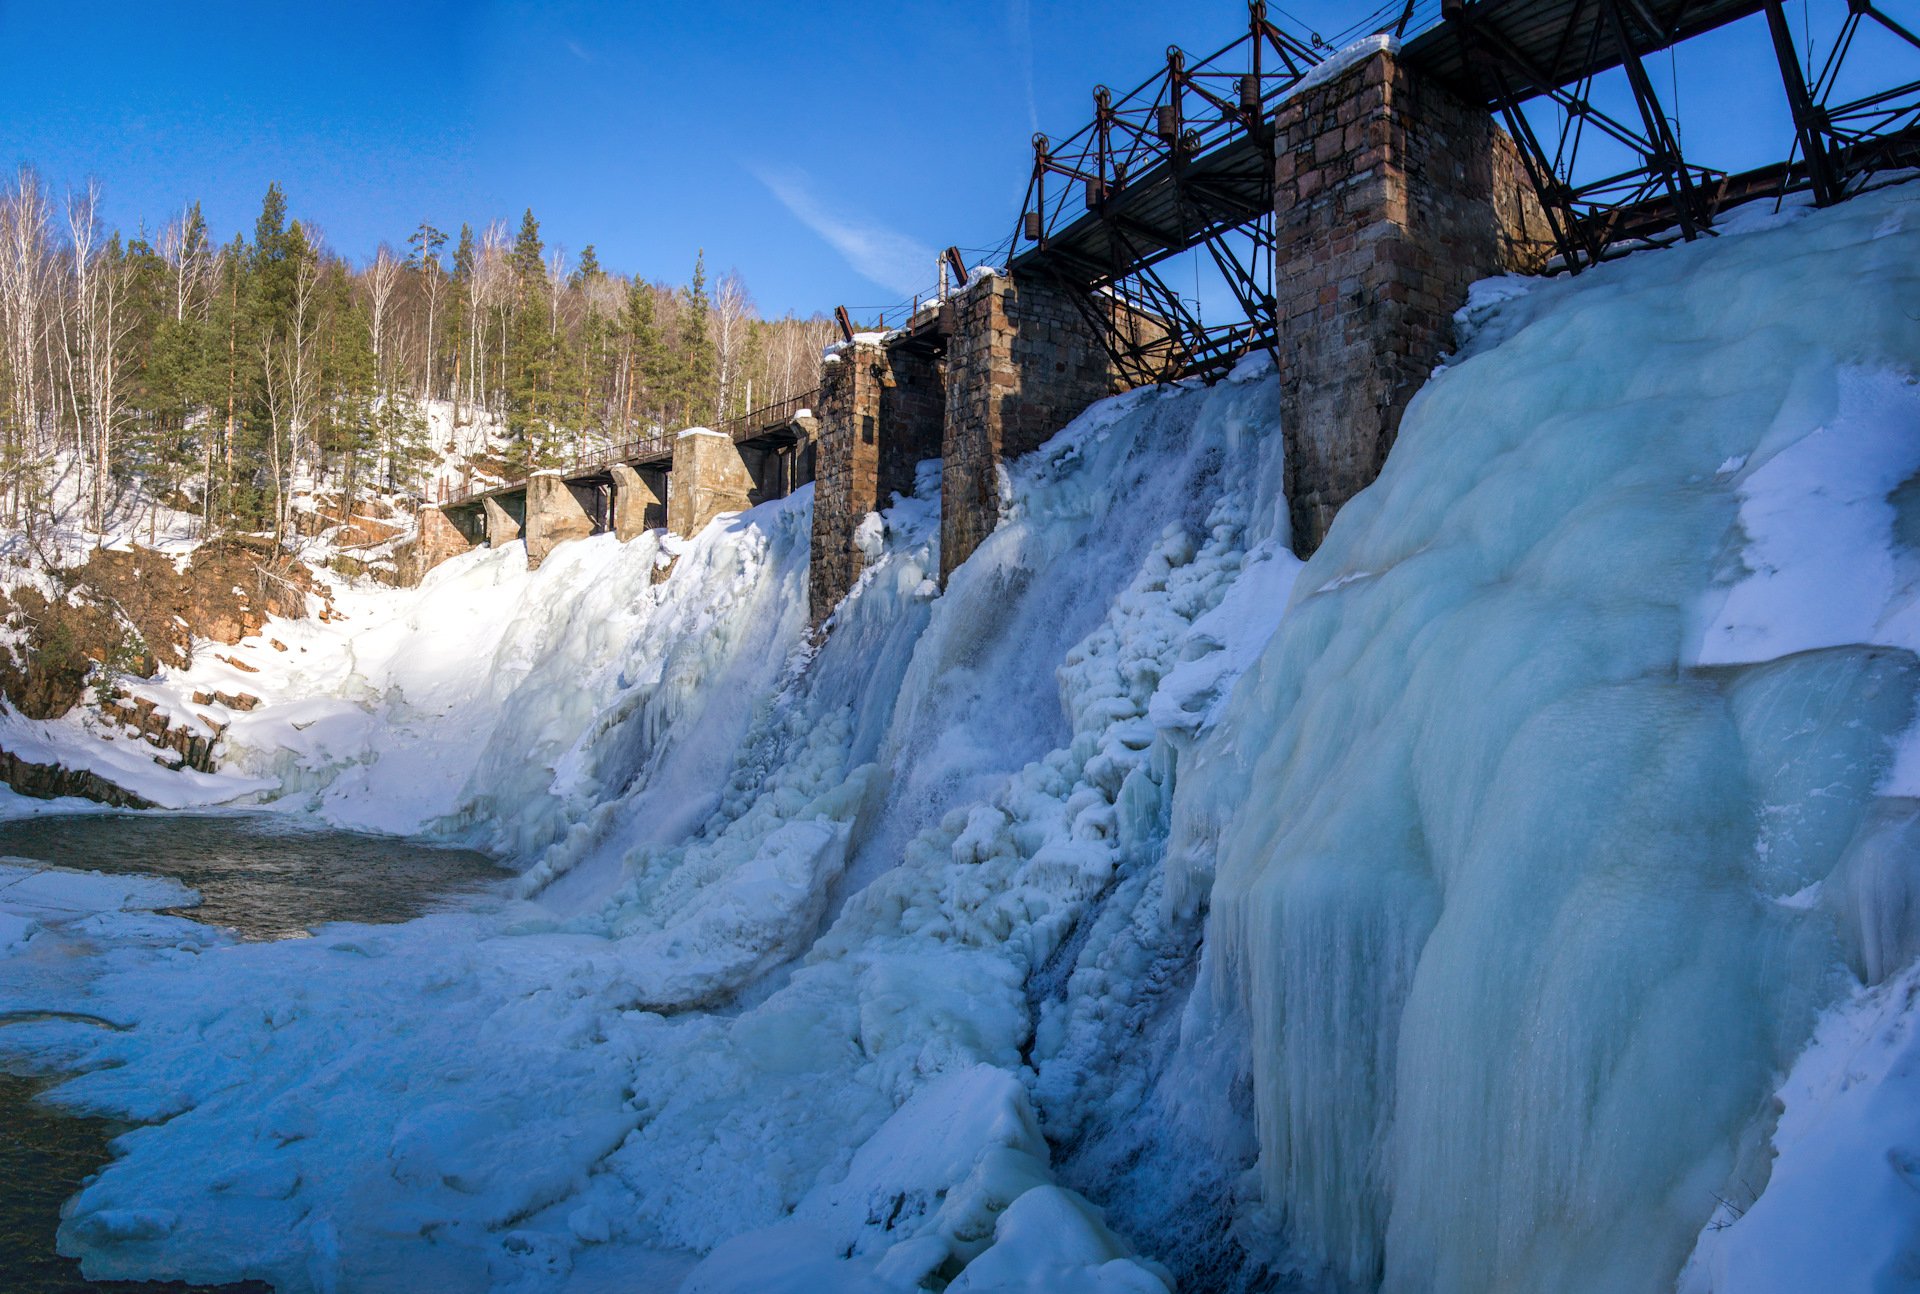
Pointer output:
x,y
533,361
588,269
529,255
695,343
644,353
423,259
462,310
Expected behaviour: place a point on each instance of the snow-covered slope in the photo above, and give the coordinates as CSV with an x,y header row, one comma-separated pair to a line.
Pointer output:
x,y
1145,907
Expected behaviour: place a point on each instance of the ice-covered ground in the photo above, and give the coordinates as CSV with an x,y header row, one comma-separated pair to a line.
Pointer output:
x,y
1002,941
775,894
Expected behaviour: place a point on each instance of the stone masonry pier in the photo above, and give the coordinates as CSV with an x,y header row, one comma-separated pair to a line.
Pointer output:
x,y
1391,196
680,482
987,375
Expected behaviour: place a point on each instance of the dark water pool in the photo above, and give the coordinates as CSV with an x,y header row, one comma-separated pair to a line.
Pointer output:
x,y
263,877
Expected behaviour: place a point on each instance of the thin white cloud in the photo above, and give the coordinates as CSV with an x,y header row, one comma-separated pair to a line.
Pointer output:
x,y
891,259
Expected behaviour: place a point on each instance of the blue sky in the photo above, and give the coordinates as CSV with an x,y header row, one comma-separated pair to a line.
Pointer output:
x,y
824,151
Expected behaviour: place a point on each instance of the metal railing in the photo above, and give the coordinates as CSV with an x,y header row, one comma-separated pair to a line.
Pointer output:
x,y
768,416
659,445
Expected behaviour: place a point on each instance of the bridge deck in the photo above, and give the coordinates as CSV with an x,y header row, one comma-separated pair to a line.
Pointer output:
x,y
1558,42
767,427
1162,212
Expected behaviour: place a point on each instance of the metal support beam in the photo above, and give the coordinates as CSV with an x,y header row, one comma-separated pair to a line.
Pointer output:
x,y
1666,160
1807,118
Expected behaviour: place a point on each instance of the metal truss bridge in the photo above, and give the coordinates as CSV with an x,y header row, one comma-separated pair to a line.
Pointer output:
x,y
1183,162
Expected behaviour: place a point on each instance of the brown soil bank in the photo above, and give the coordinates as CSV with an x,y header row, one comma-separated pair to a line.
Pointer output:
x,y
132,611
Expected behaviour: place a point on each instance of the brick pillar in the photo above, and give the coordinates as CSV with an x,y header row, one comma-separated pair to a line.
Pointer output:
x,y
880,413
639,500
1391,196
709,478
1021,364
555,514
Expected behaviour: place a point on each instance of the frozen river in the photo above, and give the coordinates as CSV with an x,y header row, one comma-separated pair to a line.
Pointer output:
x,y
263,877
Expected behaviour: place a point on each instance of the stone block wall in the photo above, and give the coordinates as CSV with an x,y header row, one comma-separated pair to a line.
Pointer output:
x,y
1021,364
555,514
439,539
1392,195
709,478
639,500
881,411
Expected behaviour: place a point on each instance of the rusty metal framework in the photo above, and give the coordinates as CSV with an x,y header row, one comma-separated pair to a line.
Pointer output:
x,y
1587,216
1181,161
1842,144
1517,54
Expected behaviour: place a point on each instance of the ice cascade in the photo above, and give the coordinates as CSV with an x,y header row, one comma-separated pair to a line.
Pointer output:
x,y
1537,834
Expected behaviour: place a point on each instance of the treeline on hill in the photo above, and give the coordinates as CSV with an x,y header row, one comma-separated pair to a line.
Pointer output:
x,y
226,381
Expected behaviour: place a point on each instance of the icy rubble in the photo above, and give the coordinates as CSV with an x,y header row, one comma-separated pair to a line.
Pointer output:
x,y
705,795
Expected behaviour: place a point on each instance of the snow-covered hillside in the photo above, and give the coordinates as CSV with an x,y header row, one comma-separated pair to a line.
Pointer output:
x,y
1143,909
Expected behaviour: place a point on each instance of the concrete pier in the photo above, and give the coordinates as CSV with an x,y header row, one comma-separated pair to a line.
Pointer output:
x,y
502,526
555,513
709,478
639,499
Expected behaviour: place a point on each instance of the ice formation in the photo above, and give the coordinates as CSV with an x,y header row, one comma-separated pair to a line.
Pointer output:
x,y
1143,909
1522,905
783,903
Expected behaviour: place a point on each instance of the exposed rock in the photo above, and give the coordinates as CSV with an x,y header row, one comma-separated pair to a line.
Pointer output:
x,y
133,610
54,781
189,742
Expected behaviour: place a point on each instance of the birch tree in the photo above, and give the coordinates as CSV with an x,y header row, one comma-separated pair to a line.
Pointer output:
x,y
98,346
732,309
25,269
383,276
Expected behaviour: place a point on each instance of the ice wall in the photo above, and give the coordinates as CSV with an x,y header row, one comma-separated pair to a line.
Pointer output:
x,y
1525,887
504,706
